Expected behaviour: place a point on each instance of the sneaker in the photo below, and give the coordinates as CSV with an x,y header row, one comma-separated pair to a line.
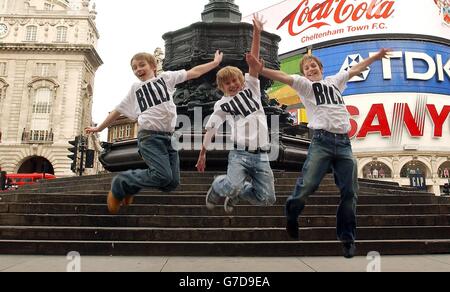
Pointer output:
x,y
128,201
349,249
292,229
212,199
113,204
230,203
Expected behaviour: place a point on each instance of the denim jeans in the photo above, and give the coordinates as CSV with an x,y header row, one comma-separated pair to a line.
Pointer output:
x,y
327,151
163,172
242,164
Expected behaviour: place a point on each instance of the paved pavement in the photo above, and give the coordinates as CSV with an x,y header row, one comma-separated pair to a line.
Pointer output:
x,y
428,263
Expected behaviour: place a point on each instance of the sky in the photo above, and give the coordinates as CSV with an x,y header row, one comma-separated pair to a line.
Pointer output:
x,y
134,26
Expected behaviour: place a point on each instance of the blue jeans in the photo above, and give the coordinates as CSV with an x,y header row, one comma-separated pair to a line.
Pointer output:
x,y
163,172
327,151
242,164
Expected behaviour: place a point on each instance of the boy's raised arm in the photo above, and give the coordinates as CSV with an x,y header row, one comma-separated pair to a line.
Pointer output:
x,y
200,70
269,73
358,69
258,27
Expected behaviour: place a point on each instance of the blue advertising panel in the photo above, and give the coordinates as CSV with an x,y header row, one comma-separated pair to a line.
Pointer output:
x,y
416,66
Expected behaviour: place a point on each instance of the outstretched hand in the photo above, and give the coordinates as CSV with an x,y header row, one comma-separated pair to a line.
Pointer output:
x,y
92,130
383,54
254,63
258,22
218,57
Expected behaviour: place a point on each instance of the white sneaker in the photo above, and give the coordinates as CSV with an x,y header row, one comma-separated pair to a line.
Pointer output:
x,y
230,203
212,199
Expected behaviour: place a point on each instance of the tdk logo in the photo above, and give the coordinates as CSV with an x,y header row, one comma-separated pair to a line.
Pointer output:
x,y
352,61
417,66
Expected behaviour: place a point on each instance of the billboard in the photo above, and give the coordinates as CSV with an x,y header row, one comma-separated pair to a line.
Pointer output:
x,y
414,66
304,23
398,104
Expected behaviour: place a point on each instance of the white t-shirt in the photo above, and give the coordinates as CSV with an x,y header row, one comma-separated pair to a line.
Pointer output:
x,y
245,114
324,104
151,102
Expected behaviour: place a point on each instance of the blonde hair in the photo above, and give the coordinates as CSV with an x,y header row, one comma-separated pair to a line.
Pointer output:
x,y
149,58
309,58
228,73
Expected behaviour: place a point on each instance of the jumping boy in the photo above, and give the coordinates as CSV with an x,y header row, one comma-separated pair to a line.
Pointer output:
x,y
150,102
241,106
330,146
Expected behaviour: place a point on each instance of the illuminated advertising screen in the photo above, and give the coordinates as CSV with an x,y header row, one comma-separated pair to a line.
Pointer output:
x,y
398,103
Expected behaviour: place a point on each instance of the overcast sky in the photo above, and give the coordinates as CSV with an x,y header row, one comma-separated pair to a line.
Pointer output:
x,y
128,27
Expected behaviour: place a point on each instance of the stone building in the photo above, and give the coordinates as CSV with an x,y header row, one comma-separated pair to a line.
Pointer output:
x,y
48,61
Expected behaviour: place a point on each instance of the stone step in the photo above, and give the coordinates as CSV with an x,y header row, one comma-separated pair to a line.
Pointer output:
x,y
191,199
202,180
222,249
214,234
208,176
200,210
203,188
178,221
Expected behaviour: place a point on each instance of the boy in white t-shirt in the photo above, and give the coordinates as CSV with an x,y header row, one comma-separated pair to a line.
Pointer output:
x,y
150,102
241,106
330,146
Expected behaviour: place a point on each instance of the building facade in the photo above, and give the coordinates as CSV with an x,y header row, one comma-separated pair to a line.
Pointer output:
x,y
48,61
400,107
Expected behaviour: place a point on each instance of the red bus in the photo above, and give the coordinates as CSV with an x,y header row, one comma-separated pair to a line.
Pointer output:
x,y
21,179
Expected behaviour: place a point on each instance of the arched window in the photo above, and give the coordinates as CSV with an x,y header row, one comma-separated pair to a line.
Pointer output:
x,y
414,168
31,33
444,170
61,34
377,170
41,115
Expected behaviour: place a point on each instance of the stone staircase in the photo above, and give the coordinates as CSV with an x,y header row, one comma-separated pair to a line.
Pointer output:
x,y
64,215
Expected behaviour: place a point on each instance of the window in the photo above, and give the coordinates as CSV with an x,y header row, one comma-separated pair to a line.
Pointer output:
x,y
414,168
444,170
121,132
40,121
128,131
31,33
3,87
3,71
114,136
377,170
45,70
61,34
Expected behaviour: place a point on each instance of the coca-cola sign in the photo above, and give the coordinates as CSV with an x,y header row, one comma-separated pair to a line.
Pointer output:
x,y
303,23
333,12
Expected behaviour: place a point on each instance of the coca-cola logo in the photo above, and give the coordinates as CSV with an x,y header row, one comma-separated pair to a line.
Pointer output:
x,y
330,12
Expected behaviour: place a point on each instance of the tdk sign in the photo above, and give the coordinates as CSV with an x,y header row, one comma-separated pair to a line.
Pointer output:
x,y
412,59
414,66
432,65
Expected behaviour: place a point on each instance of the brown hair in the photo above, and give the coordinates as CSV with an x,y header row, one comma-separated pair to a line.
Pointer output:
x,y
309,58
149,58
226,74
